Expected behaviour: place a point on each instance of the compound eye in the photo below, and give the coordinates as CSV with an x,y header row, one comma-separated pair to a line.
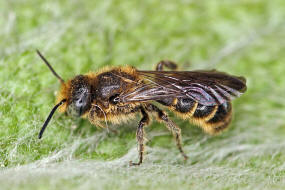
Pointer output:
x,y
81,100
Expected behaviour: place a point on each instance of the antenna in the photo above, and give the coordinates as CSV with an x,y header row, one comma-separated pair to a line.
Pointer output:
x,y
49,117
49,66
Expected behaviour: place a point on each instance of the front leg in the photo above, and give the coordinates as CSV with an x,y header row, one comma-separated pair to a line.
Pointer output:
x,y
140,136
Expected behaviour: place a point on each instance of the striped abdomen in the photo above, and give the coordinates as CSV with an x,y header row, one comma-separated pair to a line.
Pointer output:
x,y
213,119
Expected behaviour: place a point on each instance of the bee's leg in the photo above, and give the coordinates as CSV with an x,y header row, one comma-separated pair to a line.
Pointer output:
x,y
169,64
140,136
171,126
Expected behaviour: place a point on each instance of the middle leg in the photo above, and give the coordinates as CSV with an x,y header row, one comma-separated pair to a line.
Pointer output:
x,y
171,126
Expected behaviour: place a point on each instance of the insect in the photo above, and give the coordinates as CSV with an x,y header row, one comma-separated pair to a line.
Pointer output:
x,y
117,94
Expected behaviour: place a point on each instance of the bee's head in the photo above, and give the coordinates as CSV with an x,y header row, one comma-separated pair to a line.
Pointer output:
x,y
74,96
80,96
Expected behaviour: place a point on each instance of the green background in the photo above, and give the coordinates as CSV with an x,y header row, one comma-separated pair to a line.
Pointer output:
x,y
245,38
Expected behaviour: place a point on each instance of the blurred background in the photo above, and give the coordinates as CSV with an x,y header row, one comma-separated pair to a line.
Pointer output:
x,y
244,38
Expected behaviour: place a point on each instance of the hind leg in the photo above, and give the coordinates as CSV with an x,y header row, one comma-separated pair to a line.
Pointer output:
x,y
171,126
169,64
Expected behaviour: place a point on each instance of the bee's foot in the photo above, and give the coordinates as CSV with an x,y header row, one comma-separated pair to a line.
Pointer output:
x,y
134,164
184,156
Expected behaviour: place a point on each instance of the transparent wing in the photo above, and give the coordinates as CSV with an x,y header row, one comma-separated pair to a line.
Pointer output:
x,y
206,87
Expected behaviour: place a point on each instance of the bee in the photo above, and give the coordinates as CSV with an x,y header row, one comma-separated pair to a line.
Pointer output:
x,y
118,94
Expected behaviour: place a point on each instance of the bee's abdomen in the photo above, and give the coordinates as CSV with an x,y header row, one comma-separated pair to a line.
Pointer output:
x,y
213,119
220,120
184,105
222,113
205,112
